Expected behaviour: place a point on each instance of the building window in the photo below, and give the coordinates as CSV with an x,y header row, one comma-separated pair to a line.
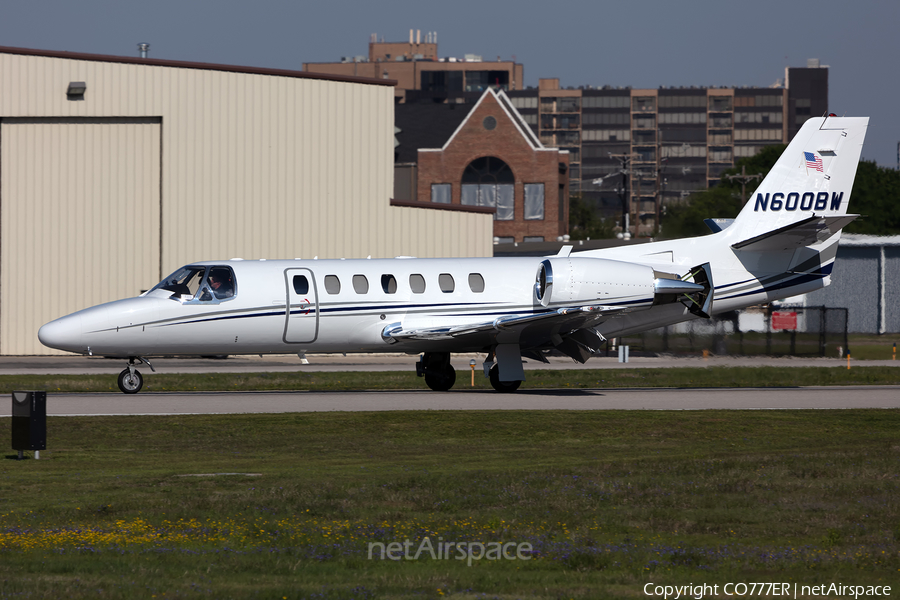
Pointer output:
x,y
643,103
490,123
332,284
500,196
533,238
605,101
488,169
720,155
488,181
360,284
478,81
720,103
524,102
445,281
682,101
644,138
645,122
682,118
440,193
417,283
534,201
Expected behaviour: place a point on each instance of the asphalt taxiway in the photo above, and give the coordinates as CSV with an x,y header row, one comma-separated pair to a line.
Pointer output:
x,y
173,403
181,403
74,365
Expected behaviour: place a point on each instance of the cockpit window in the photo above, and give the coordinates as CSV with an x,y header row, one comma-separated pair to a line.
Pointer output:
x,y
200,284
221,281
184,282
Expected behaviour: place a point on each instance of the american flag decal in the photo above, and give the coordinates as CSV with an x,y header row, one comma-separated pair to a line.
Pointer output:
x,y
813,161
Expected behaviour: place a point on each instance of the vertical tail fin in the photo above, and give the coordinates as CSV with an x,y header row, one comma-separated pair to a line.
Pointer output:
x,y
813,178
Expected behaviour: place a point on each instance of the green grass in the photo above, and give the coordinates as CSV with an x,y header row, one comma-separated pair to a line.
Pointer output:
x,y
405,380
609,500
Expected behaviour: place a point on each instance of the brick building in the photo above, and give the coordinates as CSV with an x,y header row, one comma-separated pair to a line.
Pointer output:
x,y
494,159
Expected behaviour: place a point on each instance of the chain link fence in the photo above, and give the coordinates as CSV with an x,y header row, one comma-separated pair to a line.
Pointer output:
x,y
769,331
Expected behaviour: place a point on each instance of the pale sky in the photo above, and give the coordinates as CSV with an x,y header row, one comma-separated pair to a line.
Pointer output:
x,y
642,44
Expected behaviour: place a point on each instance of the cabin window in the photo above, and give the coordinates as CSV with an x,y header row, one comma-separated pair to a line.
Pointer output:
x,y
360,284
301,285
417,283
476,283
389,284
445,281
332,284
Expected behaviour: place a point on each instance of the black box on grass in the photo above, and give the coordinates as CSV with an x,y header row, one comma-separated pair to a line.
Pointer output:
x,y
29,420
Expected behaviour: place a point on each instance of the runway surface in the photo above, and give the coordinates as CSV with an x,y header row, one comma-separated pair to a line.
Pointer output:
x,y
176,403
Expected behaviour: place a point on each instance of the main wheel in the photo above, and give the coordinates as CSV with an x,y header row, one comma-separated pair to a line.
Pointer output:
x,y
440,380
130,383
502,386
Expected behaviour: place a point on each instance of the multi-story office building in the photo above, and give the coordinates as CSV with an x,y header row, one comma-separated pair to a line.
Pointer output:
x,y
643,148
415,66
648,147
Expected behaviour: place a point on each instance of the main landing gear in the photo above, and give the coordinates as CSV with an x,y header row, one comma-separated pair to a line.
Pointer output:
x,y
502,386
440,375
130,379
438,372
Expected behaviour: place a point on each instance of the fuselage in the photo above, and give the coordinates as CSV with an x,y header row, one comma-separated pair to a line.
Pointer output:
x,y
283,306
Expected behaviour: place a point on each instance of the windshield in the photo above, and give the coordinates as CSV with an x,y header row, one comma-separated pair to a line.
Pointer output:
x,y
184,282
201,284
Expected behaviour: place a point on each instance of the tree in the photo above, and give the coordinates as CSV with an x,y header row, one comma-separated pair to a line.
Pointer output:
x,y
584,222
875,196
686,219
722,201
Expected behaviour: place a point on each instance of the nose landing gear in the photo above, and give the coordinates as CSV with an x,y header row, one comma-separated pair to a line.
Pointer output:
x,y
130,379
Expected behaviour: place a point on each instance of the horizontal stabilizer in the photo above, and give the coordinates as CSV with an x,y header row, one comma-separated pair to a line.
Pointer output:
x,y
807,232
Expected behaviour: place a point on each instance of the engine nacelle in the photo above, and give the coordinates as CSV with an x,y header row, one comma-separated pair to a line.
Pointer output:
x,y
593,281
617,283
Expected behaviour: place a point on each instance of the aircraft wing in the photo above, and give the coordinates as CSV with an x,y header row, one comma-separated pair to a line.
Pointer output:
x,y
811,230
559,322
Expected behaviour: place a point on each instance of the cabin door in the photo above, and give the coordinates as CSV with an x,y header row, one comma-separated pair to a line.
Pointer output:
x,y
302,314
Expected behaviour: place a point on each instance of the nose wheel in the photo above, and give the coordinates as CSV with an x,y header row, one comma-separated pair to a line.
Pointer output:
x,y
131,381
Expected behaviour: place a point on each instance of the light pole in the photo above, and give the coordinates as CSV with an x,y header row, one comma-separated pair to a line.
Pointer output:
x,y
744,178
625,172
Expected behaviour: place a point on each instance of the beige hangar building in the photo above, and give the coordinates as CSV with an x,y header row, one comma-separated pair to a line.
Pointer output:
x,y
115,171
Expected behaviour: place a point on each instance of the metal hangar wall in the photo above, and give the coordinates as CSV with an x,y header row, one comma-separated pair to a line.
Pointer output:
x,y
115,171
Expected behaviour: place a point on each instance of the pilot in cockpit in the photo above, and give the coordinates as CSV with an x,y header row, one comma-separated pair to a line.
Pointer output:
x,y
221,283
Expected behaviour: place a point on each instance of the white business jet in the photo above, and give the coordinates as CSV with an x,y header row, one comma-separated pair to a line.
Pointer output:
x,y
782,244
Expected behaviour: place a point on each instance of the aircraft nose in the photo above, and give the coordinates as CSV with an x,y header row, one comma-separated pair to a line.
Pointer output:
x,y
63,334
